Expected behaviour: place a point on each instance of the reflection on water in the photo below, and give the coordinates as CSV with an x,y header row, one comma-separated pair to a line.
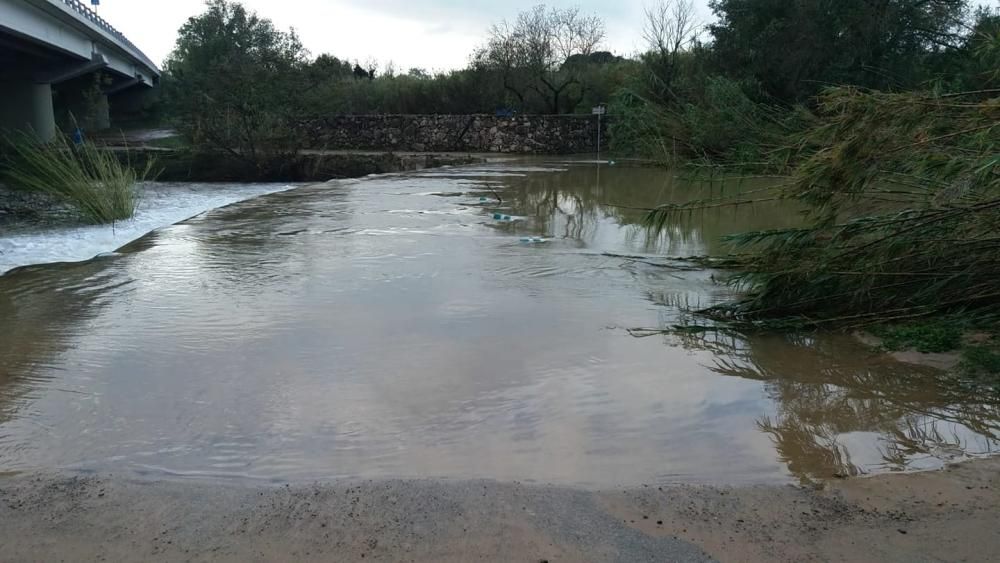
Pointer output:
x,y
831,393
393,327
36,331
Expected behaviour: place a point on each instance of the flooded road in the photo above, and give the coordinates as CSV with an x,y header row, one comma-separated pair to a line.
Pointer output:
x,y
160,204
411,326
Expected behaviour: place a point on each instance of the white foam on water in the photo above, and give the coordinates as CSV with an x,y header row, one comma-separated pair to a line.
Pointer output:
x,y
162,204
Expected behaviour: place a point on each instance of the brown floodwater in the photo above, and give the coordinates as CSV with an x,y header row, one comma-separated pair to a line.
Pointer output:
x,y
398,326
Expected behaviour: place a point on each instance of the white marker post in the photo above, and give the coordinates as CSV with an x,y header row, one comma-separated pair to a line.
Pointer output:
x,y
599,111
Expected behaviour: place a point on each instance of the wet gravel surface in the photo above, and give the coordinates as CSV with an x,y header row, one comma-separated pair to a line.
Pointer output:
x,y
19,208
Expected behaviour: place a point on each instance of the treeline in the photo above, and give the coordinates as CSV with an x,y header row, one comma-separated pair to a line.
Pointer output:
x,y
730,91
547,60
746,89
476,89
236,83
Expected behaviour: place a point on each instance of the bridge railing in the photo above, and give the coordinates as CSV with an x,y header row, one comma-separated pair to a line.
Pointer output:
x,y
85,11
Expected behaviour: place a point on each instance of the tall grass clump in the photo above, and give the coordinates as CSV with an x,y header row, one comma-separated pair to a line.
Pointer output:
x,y
903,199
91,179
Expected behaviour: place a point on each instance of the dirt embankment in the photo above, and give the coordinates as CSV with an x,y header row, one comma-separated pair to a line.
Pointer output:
x,y
950,515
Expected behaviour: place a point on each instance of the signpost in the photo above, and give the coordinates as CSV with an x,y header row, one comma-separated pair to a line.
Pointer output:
x,y
599,111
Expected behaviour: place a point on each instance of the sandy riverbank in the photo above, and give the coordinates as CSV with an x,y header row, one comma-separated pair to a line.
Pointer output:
x,y
950,515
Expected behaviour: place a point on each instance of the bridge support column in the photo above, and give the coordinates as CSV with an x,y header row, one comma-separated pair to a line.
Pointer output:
x,y
28,107
78,104
102,113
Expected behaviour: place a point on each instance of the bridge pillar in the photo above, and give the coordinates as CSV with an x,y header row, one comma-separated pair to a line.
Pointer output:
x,y
102,113
28,107
79,104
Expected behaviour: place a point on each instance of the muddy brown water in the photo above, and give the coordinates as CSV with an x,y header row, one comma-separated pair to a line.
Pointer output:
x,y
393,327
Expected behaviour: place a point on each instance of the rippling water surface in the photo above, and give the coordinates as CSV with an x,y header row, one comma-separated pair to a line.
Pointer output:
x,y
399,326
160,204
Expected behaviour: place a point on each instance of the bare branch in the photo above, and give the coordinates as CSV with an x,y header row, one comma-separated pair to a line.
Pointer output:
x,y
671,26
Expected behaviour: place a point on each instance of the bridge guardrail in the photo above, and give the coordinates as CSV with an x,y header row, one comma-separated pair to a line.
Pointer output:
x,y
79,7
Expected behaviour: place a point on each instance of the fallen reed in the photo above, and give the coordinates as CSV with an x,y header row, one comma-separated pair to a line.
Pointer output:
x,y
902,193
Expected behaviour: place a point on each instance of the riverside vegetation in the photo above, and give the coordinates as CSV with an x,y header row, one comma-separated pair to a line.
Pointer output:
x,y
97,183
881,120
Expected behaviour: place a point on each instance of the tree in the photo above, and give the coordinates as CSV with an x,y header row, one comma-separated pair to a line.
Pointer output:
x,y
794,49
372,67
418,73
983,48
237,83
533,55
671,28
360,73
328,67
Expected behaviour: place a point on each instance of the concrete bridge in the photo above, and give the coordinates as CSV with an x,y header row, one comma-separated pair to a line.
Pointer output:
x,y
60,57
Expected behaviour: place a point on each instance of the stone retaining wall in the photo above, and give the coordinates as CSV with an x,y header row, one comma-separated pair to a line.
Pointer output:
x,y
531,134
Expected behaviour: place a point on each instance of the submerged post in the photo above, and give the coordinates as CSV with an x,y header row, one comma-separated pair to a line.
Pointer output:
x,y
599,111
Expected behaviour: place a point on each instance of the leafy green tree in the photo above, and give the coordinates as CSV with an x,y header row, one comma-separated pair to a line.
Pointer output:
x,y
604,77
327,67
459,92
237,83
795,49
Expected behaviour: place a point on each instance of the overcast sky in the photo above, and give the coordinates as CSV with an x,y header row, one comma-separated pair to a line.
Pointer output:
x,y
432,34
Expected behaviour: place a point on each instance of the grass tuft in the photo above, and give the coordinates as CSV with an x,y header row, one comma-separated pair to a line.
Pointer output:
x,y
93,180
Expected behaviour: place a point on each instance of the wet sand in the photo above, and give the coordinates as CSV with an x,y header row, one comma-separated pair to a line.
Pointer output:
x,y
948,515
